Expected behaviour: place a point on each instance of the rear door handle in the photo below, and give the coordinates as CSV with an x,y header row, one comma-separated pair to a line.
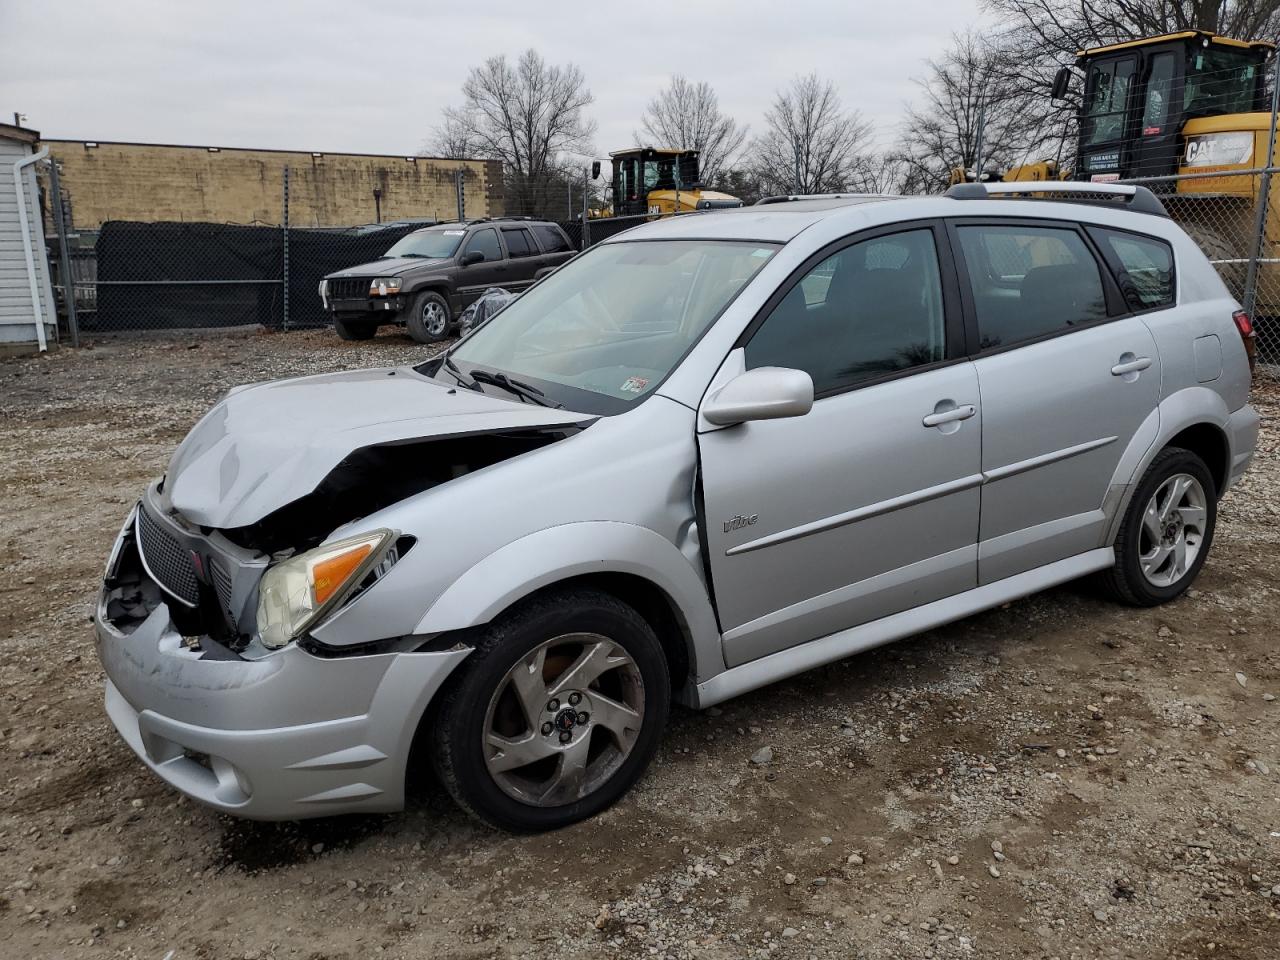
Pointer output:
x,y
1131,365
963,412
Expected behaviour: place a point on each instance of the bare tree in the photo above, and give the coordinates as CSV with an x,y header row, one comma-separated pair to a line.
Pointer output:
x,y
455,139
975,87
810,144
531,116
687,116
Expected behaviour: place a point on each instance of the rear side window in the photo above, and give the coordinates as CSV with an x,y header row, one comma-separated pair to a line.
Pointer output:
x,y
1143,266
1029,282
552,240
519,242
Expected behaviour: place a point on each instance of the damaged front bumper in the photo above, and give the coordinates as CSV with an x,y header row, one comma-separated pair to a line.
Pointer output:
x,y
289,735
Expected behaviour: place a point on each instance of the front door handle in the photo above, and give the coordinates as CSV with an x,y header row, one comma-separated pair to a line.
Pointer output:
x,y
1130,364
937,419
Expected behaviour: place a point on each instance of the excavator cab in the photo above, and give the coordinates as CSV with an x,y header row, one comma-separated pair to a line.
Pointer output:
x,y
1145,101
658,180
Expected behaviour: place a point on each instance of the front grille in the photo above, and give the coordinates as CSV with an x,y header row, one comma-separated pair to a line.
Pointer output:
x,y
349,288
221,578
169,562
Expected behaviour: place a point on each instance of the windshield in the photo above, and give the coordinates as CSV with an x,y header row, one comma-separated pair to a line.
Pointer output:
x,y
1220,81
1106,99
436,243
603,331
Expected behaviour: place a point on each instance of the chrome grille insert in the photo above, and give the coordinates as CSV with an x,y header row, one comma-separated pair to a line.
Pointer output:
x,y
167,560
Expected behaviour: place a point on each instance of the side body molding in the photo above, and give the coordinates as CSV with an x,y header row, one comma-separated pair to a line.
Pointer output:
x,y
576,549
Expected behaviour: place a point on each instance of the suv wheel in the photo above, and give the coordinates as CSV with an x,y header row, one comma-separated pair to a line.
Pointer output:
x,y
354,329
1167,529
555,715
428,319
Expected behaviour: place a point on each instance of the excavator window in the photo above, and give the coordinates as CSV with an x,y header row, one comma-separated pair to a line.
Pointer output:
x,y
1220,82
1159,97
1106,97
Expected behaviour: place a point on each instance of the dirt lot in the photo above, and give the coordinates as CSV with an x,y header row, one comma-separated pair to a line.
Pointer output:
x,y
1058,778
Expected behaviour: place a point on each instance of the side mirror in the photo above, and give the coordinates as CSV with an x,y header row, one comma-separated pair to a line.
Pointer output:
x,y
472,256
595,169
766,393
1061,80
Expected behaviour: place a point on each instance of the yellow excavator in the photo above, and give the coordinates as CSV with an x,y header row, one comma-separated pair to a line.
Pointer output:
x,y
661,180
1181,103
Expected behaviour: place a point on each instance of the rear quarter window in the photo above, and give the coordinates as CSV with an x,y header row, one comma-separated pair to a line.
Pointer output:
x,y
1143,266
552,240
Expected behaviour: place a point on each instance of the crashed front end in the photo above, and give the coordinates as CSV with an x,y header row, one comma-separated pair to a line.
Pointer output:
x,y
244,663
269,734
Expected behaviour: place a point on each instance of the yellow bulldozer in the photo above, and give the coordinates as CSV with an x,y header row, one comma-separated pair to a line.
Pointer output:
x,y
661,180
1179,104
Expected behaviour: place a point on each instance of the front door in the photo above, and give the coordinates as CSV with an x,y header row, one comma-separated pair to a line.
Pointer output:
x,y
476,278
868,504
1068,379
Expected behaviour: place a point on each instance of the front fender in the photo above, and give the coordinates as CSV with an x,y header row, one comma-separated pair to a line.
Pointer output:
x,y
576,549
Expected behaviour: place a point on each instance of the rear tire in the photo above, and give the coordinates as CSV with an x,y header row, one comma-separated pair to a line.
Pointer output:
x,y
354,329
1217,247
554,715
1166,532
428,320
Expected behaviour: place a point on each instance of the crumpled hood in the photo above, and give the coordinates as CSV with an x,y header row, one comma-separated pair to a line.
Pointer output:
x,y
268,444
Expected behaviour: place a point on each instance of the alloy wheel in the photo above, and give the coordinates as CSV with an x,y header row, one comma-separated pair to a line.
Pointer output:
x,y
563,720
1173,530
433,318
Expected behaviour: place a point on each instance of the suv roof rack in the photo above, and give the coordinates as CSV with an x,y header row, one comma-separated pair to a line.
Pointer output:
x,y
789,197
491,219
1138,199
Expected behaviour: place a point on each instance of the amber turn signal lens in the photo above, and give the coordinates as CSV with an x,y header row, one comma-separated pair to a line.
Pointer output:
x,y
329,574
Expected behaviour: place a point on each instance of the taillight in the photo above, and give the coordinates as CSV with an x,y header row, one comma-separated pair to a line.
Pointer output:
x,y
1248,336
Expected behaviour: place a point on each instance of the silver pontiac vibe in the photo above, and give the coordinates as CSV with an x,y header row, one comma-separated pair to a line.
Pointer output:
x,y
705,455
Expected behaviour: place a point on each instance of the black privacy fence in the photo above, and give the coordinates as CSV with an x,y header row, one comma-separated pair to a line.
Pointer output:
x,y
165,275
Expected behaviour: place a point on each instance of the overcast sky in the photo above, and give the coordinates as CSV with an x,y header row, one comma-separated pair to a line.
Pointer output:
x,y
372,76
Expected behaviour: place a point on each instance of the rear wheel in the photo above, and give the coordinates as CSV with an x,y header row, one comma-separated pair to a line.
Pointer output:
x,y
354,329
556,713
428,319
1167,530
1225,254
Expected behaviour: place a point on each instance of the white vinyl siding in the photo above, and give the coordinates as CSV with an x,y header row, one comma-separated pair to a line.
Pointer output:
x,y
17,316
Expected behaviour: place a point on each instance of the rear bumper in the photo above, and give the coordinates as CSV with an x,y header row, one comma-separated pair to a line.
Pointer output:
x,y
288,736
1242,436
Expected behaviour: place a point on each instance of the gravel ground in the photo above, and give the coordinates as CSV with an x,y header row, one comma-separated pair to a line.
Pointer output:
x,y
1061,777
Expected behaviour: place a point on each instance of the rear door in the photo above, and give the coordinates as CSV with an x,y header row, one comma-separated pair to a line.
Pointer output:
x,y
524,257
868,504
1068,377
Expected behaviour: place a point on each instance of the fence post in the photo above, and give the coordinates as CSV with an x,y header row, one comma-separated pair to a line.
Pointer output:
x,y
65,273
285,266
586,186
460,185
1260,222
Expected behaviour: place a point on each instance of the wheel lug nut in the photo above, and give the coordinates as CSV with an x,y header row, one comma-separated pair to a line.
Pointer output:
x,y
546,729
565,736
575,699
553,706
584,718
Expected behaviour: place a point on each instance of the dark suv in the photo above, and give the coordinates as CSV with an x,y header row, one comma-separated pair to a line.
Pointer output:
x,y
429,276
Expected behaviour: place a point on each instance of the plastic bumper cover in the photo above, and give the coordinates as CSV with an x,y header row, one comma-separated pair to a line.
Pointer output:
x,y
1242,435
288,736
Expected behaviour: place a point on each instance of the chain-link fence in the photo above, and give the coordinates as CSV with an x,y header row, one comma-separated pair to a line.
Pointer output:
x,y
1234,217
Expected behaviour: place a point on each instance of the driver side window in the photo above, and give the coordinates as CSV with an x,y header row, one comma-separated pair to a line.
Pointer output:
x,y
873,308
486,242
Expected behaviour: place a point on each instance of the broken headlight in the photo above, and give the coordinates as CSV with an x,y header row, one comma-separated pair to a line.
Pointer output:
x,y
297,592
384,286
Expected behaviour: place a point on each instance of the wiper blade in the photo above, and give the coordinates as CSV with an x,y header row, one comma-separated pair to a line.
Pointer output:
x,y
454,369
525,391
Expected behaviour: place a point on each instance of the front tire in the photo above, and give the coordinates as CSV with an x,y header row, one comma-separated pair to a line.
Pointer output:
x,y
428,320
1166,532
555,714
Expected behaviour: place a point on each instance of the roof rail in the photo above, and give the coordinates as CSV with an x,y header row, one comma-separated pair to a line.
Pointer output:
x,y
789,197
1139,199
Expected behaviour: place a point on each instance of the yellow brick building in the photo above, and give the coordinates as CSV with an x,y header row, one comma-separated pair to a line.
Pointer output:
x,y
144,181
